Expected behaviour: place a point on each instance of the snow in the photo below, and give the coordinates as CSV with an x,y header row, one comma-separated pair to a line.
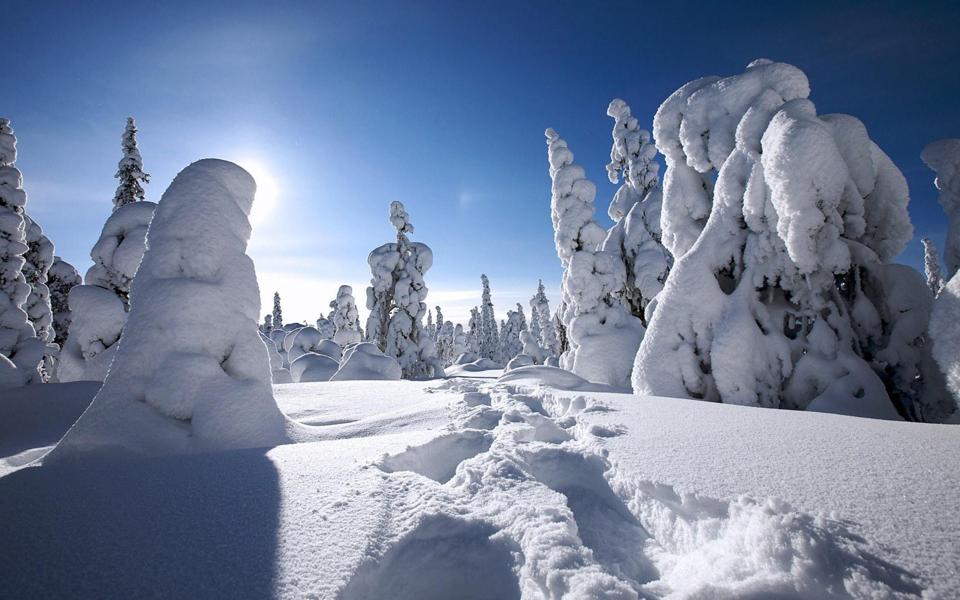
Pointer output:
x,y
365,361
311,366
168,389
482,489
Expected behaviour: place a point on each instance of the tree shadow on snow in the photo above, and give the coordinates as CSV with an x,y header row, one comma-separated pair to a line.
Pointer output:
x,y
202,526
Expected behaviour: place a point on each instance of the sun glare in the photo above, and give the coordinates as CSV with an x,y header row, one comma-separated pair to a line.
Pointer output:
x,y
268,191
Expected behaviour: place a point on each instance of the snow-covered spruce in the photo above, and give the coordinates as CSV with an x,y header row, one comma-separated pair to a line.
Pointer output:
x,y
21,349
170,390
782,295
61,278
396,297
277,312
267,325
945,333
489,333
99,307
510,344
602,334
130,169
943,157
931,266
540,306
346,319
37,262
635,210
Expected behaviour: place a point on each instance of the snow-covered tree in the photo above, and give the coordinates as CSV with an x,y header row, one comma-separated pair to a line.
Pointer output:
x,y
21,350
540,312
99,307
931,266
510,344
130,169
489,334
603,335
430,329
61,278
36,266
326,328
395,300
474,331
267,326
459,344
783,223
191,374
346,319
277,312
943,157
945,333
635,210
445,341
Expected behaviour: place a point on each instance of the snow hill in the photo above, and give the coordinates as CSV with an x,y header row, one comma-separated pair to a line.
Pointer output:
x,y
473,488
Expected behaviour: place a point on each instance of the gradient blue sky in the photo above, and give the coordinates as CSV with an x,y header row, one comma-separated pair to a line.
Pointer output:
x,y
347,106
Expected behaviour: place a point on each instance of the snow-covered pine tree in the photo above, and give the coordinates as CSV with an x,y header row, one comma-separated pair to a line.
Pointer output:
x,y
635,210
489,334
931,266
563,343
945,334
535,323
346,319
782,295
943,157
99,308
277,312
474,331
441,341
459,345
61,278
602,332
510,344
130,169
523,318
21,350
429,328
267,326
38,259
547,337
395,300
326,328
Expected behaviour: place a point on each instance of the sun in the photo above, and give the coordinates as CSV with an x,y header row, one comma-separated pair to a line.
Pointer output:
x,y
268,191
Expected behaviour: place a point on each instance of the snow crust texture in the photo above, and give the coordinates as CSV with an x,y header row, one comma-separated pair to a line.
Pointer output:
x,y
170,390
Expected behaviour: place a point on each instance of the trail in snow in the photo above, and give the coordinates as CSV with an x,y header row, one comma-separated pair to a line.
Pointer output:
x,y
518,499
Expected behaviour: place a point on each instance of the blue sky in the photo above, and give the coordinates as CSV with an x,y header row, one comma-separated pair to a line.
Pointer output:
x,y
344,107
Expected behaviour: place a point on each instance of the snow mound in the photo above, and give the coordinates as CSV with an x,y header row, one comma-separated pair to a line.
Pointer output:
x,y
330,348
520,360
170,391
313,367
365,361
554,377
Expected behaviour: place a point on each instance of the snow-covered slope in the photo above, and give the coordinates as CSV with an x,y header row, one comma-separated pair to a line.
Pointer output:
x,y
471,488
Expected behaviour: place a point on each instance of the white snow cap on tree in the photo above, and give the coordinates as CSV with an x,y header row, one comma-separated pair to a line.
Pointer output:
x,y
780,295
99,307
635,210
396,297
931,266
130,169
540,306
21,350
171,391
603,335
346,319
943,156
489,334
510,344
61,278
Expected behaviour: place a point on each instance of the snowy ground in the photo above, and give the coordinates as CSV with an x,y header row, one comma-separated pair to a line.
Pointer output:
x,y
472,489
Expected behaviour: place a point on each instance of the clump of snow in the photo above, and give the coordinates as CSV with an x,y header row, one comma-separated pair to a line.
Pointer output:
x,y
365,361
169,390
311,366
520,360
98,318
330,348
